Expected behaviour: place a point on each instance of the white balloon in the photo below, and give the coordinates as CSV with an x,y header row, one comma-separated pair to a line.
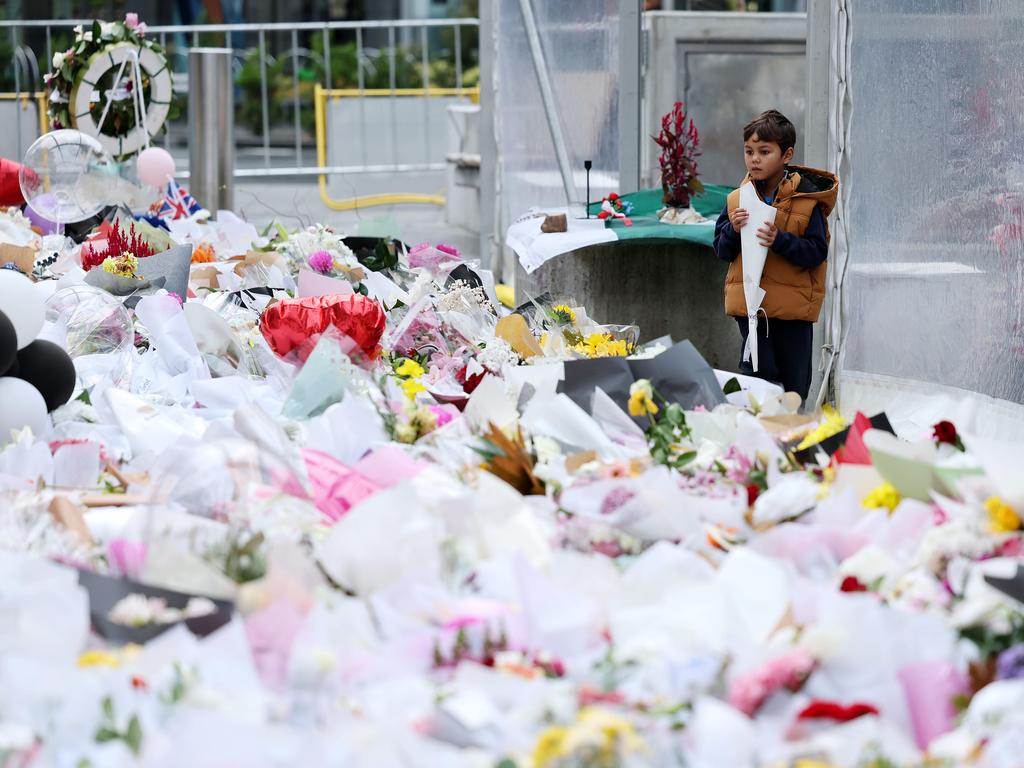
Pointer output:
x,y
21,406
23,305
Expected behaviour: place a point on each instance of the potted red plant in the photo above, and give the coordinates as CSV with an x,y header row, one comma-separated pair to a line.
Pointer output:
x,y
680,147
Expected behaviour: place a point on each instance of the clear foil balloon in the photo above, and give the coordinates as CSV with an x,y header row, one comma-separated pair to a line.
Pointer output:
x,y
66,176
95,329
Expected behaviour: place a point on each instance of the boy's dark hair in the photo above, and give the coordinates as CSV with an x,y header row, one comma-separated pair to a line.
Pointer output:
x,y
772,126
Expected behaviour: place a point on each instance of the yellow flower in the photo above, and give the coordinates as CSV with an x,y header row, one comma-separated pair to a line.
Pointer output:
x,y
412,387
98,659
410,369
833,424
884,496
564,313
550,746
612,348
616,732
123,265
641,398
1001,517
641,405
602,345
424,420
405,433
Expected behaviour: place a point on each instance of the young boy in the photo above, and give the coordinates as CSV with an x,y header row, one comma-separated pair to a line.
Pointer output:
x,y
794,270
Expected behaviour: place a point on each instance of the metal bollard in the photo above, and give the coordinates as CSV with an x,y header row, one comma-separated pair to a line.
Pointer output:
x,y
211,128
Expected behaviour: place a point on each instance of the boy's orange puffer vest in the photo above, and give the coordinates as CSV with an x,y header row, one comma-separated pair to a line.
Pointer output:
x,y
792,293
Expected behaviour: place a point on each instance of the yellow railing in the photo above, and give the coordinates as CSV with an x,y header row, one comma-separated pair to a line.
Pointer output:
x,y
320,97
25,98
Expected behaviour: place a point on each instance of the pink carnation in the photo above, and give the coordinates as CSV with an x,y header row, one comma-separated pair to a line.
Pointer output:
x,y
749,691
443,415
451,250
321,262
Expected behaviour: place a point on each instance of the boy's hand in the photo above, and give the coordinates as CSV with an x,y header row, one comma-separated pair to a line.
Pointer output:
x,y
766,234
738,218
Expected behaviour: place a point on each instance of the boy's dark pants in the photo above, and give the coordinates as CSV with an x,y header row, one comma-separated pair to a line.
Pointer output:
x,y
783,353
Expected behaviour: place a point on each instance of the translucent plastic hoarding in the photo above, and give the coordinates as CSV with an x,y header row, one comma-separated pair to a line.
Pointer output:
x,y
934,289
579,40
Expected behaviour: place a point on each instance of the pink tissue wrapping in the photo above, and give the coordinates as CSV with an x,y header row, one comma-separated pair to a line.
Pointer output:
x,y
127,557
271,633
388,466
336,488
930,688
433,257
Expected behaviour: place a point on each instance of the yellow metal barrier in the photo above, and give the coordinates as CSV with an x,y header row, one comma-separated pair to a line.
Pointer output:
x,y
25,98
320,97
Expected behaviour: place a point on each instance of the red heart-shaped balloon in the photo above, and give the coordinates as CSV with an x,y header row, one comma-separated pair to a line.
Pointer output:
x,y
295,325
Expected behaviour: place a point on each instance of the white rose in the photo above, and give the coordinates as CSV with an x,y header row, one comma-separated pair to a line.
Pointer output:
x,y
133,610
106,28
547,450
58,60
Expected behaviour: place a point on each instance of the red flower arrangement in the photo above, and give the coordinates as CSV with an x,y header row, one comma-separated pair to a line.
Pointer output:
x,y
614,207
945,432
679,142
118,242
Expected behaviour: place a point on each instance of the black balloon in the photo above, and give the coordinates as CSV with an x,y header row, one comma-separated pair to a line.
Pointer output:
x,y
47,367
13,370
8,344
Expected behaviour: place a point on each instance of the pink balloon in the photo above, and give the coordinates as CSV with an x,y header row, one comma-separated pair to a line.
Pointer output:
x,y
155,166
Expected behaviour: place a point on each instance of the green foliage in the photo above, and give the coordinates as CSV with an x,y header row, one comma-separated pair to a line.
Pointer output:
x,y
109,730
241,557
990,643
384,256
249,111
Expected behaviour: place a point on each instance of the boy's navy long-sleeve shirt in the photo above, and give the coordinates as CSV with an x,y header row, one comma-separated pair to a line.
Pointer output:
x,y
807,251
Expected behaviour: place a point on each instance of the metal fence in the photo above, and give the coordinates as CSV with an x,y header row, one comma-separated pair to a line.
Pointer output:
x,y
278,66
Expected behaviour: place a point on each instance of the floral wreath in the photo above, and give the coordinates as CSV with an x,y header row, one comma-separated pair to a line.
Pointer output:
x,y
82,85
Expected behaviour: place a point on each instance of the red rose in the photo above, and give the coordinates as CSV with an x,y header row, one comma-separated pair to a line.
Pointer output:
x,y
945,432
139,683
753,491
833,710
852,584
613,196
